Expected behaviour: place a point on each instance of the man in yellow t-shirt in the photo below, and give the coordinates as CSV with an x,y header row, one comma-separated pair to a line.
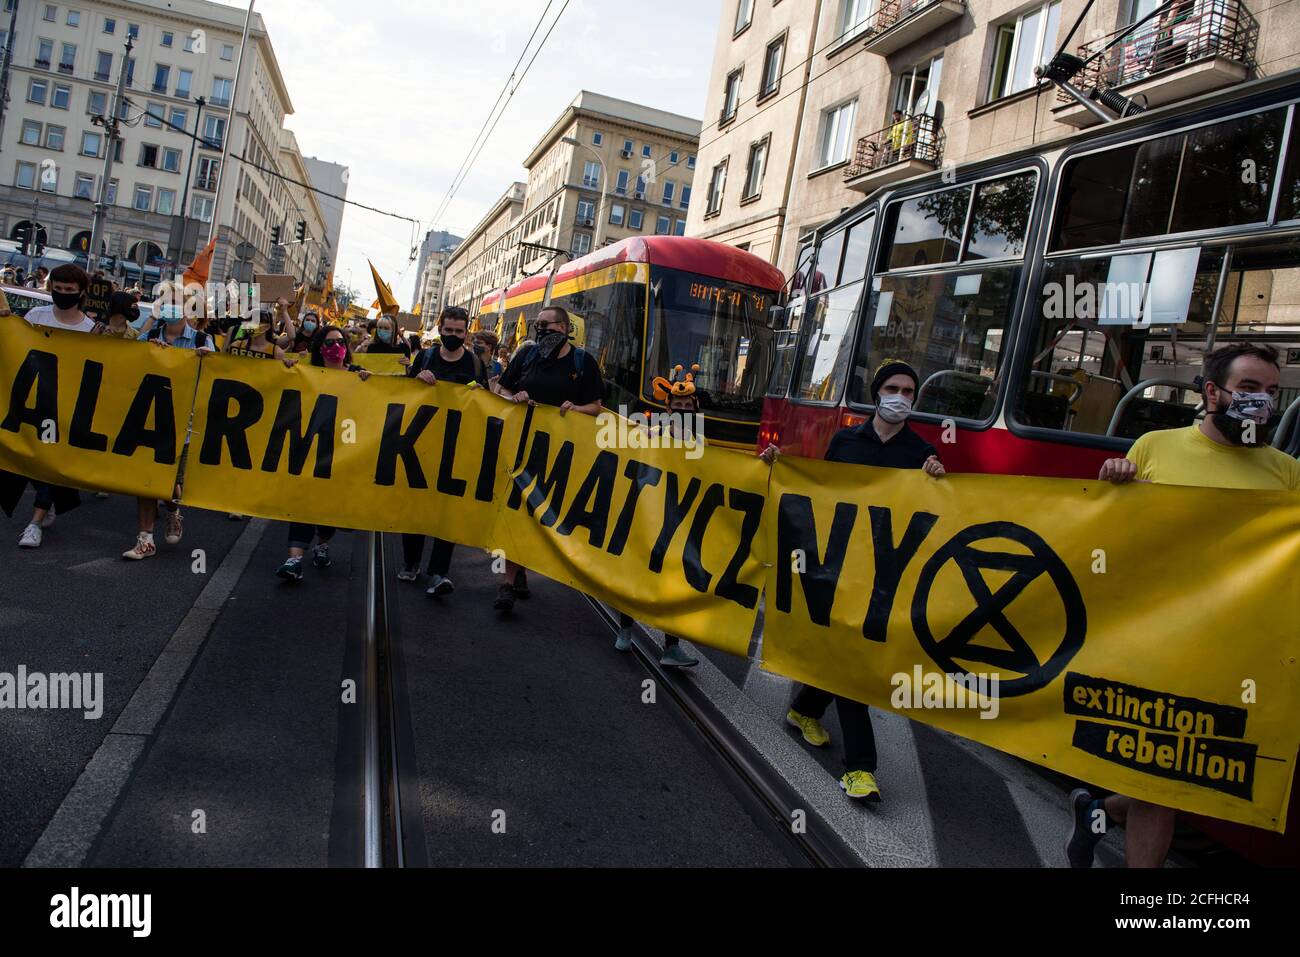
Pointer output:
x,y
1227,449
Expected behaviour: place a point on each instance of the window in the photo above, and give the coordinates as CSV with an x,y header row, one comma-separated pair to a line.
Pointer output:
x,y
1170,184
690,161
645,150
621,187
635,219
640,188
679,227
117,150
183,80
201,208
214,131
110,195
663,225
153,115
171,160
731,96
130,71
616,214
918,88
586,212
669,188
189,44
857,245
49,177
44,51
756,168
717,184
773,61
74,18
148,155
591,174
581,244
68,58
686,197
627,147
110,25
51,12
133,30
143,197
207,173
84,186
60,96
54,137
227,51
744,14
673,157
836,134
25,176
179,119
929,229
597,138
221,91
31,134
166,201
97,103
1020,46
162,74
103,66
167,39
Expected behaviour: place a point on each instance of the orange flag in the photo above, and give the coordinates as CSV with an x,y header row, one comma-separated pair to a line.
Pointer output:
x,y
197,271
386,302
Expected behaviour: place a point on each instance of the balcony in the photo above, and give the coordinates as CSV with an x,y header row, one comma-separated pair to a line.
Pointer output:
x,y
911,146
42,64
1194,47
896,23
206,183
66,68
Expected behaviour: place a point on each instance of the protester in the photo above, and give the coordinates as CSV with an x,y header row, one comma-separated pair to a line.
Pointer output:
x,y
305,333
122,311
1227,449
448,361
39,279
253,341
552,372
330,350
387,339
171,331
68,285
682,402
883,441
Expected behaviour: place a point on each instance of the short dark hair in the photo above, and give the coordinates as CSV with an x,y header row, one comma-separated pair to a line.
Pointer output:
x,y
70,272
455,312
560,309
490,338
123,304
1219,362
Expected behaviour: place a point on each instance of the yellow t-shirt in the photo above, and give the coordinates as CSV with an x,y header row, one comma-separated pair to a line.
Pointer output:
x,y
1189,457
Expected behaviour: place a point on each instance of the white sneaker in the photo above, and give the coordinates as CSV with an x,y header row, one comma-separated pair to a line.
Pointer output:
x,y
48,520
144,548
31,537
174,527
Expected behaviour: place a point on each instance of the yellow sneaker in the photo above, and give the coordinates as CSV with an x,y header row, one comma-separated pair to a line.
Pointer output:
x,y
812,729
861,786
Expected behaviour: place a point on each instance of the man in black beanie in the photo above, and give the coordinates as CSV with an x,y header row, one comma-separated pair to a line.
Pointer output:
x,y
883,441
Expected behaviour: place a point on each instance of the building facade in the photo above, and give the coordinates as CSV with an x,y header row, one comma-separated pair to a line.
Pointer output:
x,y
167,161
607,169
814,104
431,271
488,257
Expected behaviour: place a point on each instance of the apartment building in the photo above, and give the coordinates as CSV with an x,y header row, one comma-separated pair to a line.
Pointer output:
x,y
488,258
431,271
65,66
607,169
814,104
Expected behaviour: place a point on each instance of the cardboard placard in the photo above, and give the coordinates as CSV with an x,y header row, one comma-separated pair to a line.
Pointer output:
x,y
97,295
273,286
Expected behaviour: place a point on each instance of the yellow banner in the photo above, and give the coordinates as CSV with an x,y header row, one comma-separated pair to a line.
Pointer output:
x,y
93,411
1075,624
387,363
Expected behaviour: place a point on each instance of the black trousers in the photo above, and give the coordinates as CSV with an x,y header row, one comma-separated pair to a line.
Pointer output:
x,y
302,533
855,724
627,621
439,558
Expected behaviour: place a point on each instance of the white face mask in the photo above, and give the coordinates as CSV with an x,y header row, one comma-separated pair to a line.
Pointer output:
x,y
894,408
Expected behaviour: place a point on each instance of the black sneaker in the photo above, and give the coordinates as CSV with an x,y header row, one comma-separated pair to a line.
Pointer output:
x,y
505,598
1083,840
440,588
291,570
521,586
320,555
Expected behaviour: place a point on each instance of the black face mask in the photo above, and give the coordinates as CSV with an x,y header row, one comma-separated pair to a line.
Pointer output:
x,y
66,300
452,343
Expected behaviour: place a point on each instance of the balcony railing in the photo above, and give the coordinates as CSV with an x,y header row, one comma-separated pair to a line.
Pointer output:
x,y
42,64
1189,31
891,12
916,137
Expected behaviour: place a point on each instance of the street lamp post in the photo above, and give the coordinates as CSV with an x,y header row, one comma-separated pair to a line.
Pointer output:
x,y
604,188
189,172
111,125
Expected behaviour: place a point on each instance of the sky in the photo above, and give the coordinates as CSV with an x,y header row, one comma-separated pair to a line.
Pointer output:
x,y
398,95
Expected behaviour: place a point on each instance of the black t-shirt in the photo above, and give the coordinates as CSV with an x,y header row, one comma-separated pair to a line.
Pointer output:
x,y
463,371
377,347
862,446
554,381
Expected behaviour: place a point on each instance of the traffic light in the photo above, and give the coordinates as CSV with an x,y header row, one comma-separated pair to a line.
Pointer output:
x,y
302,231
275,235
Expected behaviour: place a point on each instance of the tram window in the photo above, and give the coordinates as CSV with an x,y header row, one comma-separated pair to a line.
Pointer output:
x,y
927,230
609,321
827,271
825,343
949,327
1151,188
1094,193
1001,218
1227,174
786,345
1108,324
799,282
856,249
1288,206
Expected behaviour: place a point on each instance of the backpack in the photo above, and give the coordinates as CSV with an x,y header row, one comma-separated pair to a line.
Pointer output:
x,y
419,366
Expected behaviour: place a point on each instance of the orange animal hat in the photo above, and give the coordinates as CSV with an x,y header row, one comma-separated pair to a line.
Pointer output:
x,y
676,386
